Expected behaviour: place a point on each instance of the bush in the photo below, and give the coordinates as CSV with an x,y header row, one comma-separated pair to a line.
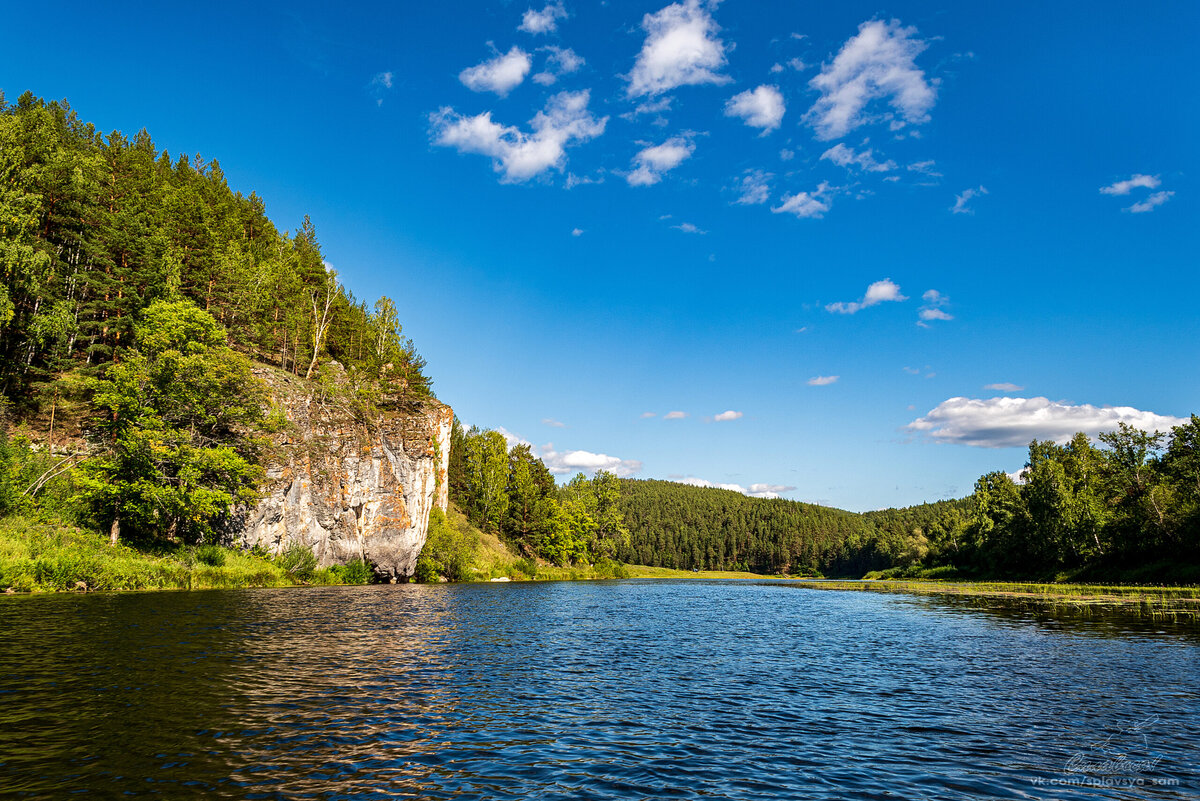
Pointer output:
x,y
607,568
356,571
448,553
298,561
527,567
211,555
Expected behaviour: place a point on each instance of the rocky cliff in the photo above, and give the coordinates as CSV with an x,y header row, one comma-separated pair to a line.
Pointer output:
x,y
349,484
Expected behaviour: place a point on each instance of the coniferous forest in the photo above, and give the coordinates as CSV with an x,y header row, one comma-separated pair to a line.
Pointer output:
x,y
138,289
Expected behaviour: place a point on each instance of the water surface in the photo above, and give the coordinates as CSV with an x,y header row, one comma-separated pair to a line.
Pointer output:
x,y
636,689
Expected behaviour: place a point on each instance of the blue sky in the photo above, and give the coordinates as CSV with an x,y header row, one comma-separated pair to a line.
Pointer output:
x,y
841,252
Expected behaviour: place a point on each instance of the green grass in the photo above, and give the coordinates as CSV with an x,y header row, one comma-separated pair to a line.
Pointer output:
x,y
37,556
1102,593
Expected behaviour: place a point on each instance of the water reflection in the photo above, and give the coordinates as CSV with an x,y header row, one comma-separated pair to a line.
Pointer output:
x,y
599,690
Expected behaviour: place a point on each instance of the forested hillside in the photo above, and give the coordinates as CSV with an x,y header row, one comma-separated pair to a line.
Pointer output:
x,y
94,228
684,527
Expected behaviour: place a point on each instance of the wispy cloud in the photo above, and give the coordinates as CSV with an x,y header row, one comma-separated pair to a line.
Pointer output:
x,y
932,310
727,415
1014,422
651,162
689,228
812,205
559,61
1150,203
1004,386
822,380
500,74
379,86
550,421
681,49
675,415
879,292
576,232
962,201
1138,181
544,21
878,63
759,108
864,160
754,490
753,188
517,155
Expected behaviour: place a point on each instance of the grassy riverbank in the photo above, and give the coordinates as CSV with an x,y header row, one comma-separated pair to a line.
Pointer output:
x,y
1154,602
38,556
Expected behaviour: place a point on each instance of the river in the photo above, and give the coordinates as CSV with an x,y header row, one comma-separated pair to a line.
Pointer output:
x,y
598,690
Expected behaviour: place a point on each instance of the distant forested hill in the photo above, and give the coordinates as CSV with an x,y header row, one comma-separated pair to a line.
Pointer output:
x,y
684,527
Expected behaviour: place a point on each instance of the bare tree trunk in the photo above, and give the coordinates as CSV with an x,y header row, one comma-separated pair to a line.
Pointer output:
x,y
114,533
321,319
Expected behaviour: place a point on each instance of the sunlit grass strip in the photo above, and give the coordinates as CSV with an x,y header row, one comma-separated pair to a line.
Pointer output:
x,y
1107,593
38,556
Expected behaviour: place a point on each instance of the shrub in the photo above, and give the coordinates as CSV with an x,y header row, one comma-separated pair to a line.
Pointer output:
x,y
527,566
356,571
607,568
298,561
211,555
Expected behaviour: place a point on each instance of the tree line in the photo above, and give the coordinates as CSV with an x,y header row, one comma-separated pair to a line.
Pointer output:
x,y
511,492
94,228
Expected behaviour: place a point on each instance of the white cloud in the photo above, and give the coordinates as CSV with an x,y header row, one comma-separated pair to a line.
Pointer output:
x,y
1150,203
1018,476
960,201
518,155
379,86
759,108
688,228
576,232
500,74
1133,182
1014,422
932,310
544,21
878,292
561,464
776,68
511,439
754,188
797,64
559,61
681,49
844,156
1004,386
807,204
822,380
651,162
727,415
878,63
674,415
550,421
754,490
648,415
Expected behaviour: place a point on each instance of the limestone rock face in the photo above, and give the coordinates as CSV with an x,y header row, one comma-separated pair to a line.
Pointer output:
x,y
349,489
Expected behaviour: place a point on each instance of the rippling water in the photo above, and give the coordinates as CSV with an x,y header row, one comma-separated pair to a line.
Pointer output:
x,y
587,690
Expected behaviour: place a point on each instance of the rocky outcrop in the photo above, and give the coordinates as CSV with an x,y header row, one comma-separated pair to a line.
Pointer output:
x,y
348,484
